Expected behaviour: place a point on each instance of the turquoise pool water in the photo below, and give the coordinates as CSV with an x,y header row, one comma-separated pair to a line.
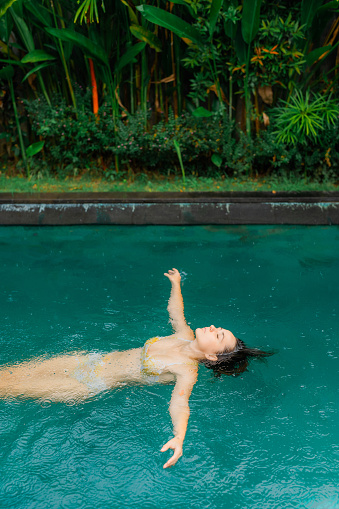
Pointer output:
x,y
265,440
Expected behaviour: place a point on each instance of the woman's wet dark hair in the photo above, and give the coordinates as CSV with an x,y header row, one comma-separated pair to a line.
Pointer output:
x,y
234,362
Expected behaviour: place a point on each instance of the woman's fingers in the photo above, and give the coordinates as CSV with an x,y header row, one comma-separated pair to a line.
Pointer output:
x,y
177,447
172,274
172,461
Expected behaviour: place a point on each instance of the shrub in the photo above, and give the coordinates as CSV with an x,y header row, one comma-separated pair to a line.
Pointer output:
x,y
85,141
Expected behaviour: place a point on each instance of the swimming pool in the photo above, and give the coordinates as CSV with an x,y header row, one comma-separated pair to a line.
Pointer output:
x,y
267,439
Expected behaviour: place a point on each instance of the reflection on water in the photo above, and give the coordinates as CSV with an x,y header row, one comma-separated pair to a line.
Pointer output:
x,y
310,263
265,440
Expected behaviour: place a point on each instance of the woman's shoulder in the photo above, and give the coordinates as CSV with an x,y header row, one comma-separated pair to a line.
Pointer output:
x,y
186,373
185,334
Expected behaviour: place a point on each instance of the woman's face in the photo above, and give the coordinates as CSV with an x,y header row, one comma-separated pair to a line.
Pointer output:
x,y
213,340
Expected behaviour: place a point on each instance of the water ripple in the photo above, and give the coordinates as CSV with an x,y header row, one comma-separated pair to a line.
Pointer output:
x,y
265,440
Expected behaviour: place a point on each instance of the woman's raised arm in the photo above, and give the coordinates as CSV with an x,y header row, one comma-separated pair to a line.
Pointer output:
x,y
176,305
179,411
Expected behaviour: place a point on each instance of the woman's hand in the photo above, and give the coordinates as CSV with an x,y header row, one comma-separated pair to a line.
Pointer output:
x,y
175,444
173,275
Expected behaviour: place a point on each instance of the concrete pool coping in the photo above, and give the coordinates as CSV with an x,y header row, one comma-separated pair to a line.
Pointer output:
x,y
131,208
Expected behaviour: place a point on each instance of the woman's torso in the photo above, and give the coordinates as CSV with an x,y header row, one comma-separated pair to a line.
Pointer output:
x,y
155,362
82,374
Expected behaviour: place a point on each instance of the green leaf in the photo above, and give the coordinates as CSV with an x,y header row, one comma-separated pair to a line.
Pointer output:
x,y
82,11
308,10
132,16
35,69
180,2
202,113
34,148
189,7
304,117
4,5
326,7
217,160
146,35
178,151
129,56
88,10
19,8
37,55
230,28
13,62
6,73
171,22
315,54
25,33
5,136
250,19
40,12
240,46
90,48
214,13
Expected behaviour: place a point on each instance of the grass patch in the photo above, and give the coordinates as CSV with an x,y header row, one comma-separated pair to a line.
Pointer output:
x,y
160,183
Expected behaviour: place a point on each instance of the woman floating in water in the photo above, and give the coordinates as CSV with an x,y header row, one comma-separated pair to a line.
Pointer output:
x,y
173,358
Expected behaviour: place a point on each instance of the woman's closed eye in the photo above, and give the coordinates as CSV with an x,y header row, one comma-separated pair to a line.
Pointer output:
x,y
220,336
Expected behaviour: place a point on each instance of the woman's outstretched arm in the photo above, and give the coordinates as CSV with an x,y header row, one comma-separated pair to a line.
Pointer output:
x,y
179,411
176,305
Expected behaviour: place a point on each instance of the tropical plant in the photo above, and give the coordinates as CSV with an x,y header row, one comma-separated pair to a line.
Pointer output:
x,y
155,61
7,74
31,151
321,26
304,117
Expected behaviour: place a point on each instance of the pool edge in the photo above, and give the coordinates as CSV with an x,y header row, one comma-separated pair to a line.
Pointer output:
x,y
42,209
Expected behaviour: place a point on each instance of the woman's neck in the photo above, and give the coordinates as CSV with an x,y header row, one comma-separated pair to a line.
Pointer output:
x,y
191,350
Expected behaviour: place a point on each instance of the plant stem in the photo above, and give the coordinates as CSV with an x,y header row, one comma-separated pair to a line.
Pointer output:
x,y
94,88
62,55
230,97
257,123
217,83
43,88
116,161
131,89
175,91
17,121
178,74
144,80
247,94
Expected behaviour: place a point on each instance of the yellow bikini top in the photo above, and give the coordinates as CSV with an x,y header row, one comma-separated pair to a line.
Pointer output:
x,y
153,367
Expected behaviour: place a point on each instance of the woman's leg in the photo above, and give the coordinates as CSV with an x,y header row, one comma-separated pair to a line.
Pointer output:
x,y
45,379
